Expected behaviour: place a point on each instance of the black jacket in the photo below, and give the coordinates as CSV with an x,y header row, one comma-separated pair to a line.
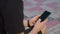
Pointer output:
x,y
11,12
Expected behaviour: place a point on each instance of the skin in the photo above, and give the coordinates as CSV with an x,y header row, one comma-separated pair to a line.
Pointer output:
x,y
38,26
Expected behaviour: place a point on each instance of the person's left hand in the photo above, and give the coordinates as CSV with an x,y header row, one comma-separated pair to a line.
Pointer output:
x,y
33,20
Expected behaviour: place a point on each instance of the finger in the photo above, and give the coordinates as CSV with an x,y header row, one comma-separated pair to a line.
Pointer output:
x,y
36,17
38,20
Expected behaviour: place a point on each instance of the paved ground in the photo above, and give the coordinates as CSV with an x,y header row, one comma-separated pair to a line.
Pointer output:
x,y
37,7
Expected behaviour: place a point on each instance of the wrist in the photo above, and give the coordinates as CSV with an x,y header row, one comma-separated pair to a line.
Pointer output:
x,y
25,23
36,29
33,31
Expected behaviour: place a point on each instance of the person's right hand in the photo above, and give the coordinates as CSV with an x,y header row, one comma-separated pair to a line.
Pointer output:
x,y
40,26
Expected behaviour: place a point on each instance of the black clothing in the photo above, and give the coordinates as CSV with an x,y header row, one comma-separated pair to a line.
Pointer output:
x,y
11,16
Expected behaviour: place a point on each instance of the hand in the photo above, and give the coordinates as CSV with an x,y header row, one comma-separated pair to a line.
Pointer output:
x,y
41,26
44,30
33,20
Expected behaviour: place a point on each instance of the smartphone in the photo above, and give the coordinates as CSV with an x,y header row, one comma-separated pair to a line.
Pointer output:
x,y
44,15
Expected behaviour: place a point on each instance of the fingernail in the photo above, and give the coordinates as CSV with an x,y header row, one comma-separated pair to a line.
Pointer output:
x,y
39,19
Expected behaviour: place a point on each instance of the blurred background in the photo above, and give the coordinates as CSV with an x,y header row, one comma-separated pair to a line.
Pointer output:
x,y
37,7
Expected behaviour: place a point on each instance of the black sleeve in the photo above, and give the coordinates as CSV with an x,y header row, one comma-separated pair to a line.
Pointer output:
x,y
13,16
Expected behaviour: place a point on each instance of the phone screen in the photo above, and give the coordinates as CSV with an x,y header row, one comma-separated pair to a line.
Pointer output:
x,y
44,15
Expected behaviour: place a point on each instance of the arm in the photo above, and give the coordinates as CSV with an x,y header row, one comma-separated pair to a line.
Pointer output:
x,y
39,26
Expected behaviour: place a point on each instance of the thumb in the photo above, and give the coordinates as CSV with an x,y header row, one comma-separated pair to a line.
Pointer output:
x,y
38,20
36,17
